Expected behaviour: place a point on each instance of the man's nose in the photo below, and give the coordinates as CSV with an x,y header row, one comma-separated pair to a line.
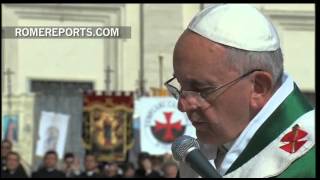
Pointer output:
x,y
186,104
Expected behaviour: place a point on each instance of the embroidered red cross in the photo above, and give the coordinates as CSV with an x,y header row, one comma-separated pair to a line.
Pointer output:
x,y
168,126
293,139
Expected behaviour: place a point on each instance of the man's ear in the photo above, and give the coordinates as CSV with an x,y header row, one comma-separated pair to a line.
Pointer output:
x,y
261,89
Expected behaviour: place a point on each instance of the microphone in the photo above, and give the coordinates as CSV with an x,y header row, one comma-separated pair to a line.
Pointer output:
x,y
187,149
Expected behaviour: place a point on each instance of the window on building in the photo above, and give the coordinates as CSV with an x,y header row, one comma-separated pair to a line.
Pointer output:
x,y
59,87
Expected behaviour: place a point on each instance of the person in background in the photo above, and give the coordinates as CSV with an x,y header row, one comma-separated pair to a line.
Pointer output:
x,y
14,168
6,147
170,169
128,170
145,167
49,169
157,162
91,167
111,170
71,165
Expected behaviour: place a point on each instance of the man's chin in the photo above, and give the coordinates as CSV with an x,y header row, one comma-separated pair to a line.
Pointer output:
x,y
205,138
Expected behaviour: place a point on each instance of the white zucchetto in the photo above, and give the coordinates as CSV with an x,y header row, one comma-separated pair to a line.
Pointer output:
x,y
237,25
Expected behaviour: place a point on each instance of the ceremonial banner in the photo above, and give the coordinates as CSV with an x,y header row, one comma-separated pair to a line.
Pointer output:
x,y
10,128
17,125
161,123
107,125
52,133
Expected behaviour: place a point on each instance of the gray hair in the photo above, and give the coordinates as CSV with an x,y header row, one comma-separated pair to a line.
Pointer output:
x,y
245,61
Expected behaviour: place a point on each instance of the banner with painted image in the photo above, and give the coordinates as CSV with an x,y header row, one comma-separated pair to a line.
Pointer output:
x,y
17,125
52,133
107,125
10,128
160,124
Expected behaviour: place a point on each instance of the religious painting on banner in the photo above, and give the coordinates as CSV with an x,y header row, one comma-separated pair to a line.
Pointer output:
x,y
160,124
17,124
10,127
52,133
107,125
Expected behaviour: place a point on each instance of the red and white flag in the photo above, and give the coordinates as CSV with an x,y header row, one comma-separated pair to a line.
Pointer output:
x,y
160,124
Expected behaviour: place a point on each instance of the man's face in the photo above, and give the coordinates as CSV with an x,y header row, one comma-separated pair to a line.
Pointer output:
x,y
112,169
69,161
129,172
199,64
5,148
147,164
50,161
90,163
171,171
12,162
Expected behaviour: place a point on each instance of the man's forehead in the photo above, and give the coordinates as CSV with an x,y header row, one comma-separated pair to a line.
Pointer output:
x,y
198,60
5,145
13,156
196,81
195,49
189,36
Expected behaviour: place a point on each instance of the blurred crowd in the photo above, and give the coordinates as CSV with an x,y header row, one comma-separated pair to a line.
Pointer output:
x,y
147,166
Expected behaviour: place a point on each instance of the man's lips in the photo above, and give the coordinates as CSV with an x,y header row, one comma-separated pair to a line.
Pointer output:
x,y
199,123
197,120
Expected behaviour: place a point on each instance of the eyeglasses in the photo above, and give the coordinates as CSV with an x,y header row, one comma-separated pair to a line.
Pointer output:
x,y
174,88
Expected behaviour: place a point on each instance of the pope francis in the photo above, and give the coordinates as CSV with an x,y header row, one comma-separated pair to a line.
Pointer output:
x,y
250,117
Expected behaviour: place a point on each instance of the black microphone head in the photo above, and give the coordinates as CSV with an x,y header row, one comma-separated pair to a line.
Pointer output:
x,y
182,146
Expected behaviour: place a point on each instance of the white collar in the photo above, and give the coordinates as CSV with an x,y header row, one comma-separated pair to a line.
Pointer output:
x,y
12,171
90,173
242,141
50,169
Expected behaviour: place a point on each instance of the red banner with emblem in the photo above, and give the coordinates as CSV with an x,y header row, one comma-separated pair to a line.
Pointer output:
x,y
107,124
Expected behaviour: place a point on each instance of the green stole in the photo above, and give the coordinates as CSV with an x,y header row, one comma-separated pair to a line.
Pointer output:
x,y
285,115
